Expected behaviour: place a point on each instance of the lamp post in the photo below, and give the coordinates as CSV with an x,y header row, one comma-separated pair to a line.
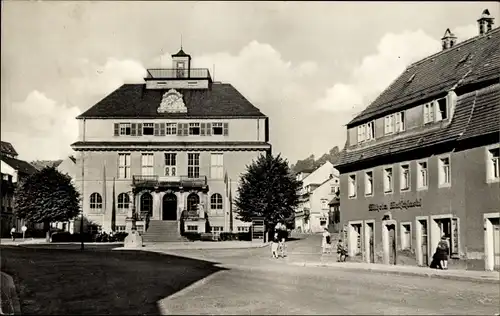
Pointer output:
x,y
83,188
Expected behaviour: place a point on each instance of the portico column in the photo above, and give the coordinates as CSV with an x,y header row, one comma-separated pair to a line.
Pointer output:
x,y
156,205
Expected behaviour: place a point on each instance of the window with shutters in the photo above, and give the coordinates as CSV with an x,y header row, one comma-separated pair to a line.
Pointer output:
x,y
352,189
389,124
492,163
404,177
394,123
388,180
147,163
170,129
194,128
125,129
193,165
217,166
217,128
170,164
148,129
123,166
444,171
429,112
366,132
400,122
361,133
368,183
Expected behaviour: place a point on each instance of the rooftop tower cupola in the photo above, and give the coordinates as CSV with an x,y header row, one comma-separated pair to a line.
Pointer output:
x,y
449,39
180,76
181,62
485,23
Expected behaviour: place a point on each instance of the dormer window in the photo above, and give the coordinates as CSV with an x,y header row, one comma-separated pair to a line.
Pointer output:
x,y
217,129
394,123
194,128
366,132
441,110
148,129
436,111
125,129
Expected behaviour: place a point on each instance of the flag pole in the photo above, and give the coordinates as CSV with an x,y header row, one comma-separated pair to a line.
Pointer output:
x,y
82,247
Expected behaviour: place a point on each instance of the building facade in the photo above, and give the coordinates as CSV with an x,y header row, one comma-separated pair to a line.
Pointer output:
x,y
170,148
421,162
318,188
13,171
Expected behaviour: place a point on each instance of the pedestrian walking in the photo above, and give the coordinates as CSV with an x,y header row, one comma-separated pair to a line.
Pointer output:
x,y
274,246
13,233
341,251
326,241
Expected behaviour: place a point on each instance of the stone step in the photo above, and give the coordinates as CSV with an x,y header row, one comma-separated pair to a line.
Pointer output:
x,y
162,231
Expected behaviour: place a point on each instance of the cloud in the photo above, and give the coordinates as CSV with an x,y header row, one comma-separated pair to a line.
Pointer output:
x,y
39,127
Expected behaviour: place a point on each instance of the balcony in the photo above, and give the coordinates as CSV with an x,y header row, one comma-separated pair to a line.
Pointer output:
x,y
172,73
141,181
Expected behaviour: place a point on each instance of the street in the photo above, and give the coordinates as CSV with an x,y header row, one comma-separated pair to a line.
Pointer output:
x,y
276,288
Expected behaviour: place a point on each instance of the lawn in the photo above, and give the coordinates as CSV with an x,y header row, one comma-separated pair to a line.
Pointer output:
x,y
55,281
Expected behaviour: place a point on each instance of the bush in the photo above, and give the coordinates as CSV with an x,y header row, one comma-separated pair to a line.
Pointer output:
x,y
120,236
245,236
192,236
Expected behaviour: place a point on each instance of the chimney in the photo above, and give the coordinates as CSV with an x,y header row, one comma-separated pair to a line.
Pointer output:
x,y
485,23
449,39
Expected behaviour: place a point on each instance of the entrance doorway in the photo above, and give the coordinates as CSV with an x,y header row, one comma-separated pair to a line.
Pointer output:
x,y
391,228
169,207
354,243
192,202
492,241
422,242
369,242
146,204
496,243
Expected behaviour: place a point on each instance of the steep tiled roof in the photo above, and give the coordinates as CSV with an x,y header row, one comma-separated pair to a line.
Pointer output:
x,y
474,60
19,165
40,164
7,149
135,101
469,120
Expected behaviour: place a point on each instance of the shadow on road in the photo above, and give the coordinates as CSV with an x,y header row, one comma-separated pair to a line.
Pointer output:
x,y
56,281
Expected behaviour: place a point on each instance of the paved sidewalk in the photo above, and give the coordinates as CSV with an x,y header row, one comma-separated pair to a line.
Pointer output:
x,y
197,245
466,275
20,241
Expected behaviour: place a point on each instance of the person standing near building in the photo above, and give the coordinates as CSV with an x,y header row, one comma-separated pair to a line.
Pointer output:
x,y
13,233
442,252
326,241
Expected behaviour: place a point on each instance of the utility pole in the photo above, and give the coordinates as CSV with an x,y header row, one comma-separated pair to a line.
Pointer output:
x,y
82,247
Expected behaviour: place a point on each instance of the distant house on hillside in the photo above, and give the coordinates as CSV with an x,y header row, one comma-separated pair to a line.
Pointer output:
x,y
13,170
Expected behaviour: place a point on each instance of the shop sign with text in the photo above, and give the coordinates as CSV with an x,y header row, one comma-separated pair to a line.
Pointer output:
x,y
401,205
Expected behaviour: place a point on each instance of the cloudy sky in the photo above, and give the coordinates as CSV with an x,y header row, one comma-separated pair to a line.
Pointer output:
x,y
310,66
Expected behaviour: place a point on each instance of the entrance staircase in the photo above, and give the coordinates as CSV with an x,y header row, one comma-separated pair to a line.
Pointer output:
x,y
163,231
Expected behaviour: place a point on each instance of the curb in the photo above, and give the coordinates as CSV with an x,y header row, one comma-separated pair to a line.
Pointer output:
x,y
9,292
409,273
145,248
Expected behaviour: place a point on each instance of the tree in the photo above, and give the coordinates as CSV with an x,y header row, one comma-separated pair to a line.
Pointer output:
x,y
268,189
47,196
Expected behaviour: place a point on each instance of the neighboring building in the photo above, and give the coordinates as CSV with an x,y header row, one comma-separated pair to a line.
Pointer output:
x,y
173,146
422,160
40,164
318,188
334,205
13,171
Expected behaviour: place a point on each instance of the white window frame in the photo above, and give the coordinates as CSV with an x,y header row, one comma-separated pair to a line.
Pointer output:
x,y
367,182
217,203
490,166
217,125
438,116
124,165
324,204
192,166
148,125
170,128
361,133
384,172
429,109
355,186
243,229
194,125
216,165
401,172
123,129
402,230
399,122
191,228
148,165
170,169
389,124
123,202
369,131
420,185
441,182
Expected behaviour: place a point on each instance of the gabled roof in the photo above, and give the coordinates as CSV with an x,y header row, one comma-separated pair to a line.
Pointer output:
x,y
477,113
135,101
21,166
473,60
334,201
7,149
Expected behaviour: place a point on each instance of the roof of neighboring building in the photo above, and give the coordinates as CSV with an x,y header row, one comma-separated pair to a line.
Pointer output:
x,y
334,201
477,113
476,59
40,164
7,148
20,165
135,101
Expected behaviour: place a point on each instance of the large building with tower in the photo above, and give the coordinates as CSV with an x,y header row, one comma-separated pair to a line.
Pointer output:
x,y
422,161
174,146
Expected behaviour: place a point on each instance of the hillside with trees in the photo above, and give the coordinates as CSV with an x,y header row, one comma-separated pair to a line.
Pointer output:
x,y
310,163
